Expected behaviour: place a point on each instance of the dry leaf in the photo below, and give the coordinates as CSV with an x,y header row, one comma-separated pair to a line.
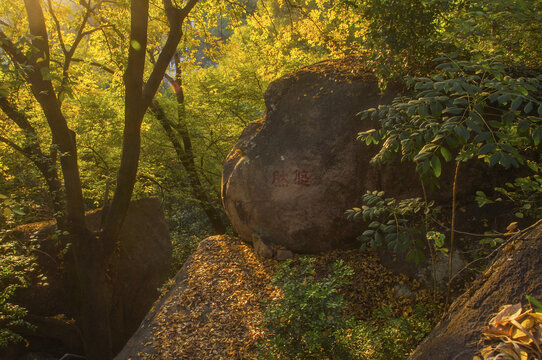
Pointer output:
x,y
507,313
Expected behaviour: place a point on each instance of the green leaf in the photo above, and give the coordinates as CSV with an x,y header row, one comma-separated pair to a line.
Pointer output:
x,y
494,159
45,73
508,116
445,153
422,110
537,305
528,108
523,127
436,165
473,126
487,148
462,132
453,110
537,136
503,99
379,239
482,137
436,108
516,103
135,45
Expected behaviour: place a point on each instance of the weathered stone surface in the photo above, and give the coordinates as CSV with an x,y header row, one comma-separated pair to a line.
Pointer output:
x,y
515,273
292,175
283,254
261,248
213,309
139,269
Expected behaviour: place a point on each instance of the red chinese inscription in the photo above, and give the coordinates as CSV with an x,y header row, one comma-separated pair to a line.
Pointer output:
x,y
300,178
280,179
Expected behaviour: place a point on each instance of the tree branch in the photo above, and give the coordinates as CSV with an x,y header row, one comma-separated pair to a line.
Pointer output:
x,y
175,17
15,146
69,54
15,54
57,27
18,118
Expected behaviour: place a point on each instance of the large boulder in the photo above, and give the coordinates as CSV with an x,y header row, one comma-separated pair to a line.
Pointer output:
x,y
292,175
515,273
139,268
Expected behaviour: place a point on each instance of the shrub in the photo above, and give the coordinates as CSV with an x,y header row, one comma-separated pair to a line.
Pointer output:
x,y
387,337
307,318
14,270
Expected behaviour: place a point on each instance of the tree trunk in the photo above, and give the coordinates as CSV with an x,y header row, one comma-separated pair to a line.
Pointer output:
x,y
91,253
95,292
89,256
186,158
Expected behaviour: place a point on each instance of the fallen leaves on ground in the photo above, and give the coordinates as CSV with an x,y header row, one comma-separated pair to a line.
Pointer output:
x,y
215,313
514,333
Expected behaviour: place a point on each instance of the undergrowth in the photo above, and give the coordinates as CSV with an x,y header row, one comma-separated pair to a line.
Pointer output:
x,y
307,321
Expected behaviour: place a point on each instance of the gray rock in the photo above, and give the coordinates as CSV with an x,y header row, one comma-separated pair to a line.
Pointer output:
x,y
261,248
139,268
283,254
293,174
514,274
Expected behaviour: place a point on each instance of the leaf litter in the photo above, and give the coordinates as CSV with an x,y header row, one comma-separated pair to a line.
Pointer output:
x,y
514,333
216,312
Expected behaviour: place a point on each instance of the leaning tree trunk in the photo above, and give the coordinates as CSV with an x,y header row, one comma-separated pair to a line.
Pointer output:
x,y
186,158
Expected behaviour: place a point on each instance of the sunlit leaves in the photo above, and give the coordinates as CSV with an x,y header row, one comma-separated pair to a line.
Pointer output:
x,y
305,322
475,110
393,223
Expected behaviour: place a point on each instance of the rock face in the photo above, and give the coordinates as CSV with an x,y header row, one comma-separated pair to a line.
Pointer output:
x,y
138,271
516,273
292,175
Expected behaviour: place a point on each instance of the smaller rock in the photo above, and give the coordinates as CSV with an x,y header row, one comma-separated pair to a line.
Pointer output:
x,y
283,254
403,290
261,248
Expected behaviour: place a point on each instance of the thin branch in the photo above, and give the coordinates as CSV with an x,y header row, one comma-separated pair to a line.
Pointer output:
x,y
69,55
14,146
17,117
57,27
510,239
14,53
95,64
88,32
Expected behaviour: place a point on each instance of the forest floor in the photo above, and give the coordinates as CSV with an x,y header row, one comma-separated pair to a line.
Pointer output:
x,y
214,309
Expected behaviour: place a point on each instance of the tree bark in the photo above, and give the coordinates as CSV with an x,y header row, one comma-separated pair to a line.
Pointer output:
x,y
89,262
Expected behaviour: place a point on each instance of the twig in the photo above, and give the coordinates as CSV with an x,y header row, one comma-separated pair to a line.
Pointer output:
x,y
465,232
511,238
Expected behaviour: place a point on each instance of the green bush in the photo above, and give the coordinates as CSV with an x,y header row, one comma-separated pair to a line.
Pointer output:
x,y
387,337
307,319
14,270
